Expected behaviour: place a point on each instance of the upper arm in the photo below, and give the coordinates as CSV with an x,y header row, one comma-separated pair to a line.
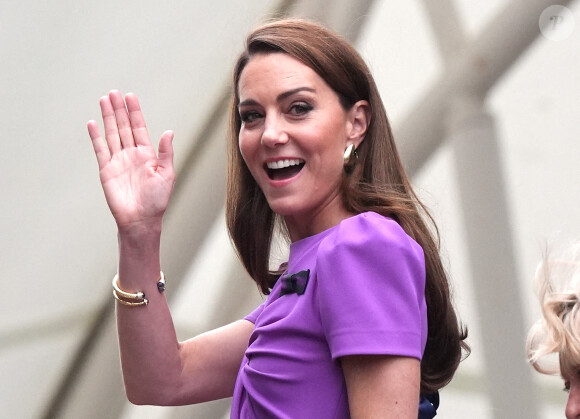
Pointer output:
x,y
382,386
211,361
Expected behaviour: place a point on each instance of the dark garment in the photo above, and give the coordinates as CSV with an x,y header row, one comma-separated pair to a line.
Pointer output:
x,y
428,404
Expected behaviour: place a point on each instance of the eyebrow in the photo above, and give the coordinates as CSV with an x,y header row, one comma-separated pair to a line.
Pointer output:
x,y
281,96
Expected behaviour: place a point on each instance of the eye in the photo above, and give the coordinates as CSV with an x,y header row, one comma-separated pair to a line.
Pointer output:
x,y
248,117
300,108
567,386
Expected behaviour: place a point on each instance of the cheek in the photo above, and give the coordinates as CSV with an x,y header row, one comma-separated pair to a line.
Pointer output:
x,y
573,404
246,147
329,141
249,149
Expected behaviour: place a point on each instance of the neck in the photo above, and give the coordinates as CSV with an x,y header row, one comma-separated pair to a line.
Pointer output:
x,y
302,226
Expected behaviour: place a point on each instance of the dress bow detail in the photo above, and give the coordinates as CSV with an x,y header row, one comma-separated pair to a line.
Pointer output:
x,y
295,283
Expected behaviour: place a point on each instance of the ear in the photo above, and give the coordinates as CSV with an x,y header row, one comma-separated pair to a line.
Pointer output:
x,y
359,119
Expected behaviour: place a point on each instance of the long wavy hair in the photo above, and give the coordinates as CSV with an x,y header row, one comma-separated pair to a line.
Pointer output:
x,y
375,181
558,332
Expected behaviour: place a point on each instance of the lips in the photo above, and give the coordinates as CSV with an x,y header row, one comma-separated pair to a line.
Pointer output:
x,y
284,168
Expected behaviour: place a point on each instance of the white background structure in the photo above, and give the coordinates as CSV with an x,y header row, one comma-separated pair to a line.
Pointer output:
x,y
485,108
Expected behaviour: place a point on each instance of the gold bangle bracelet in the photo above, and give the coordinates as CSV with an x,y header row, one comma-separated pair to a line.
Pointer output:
x,y
143,302
136,298
130,295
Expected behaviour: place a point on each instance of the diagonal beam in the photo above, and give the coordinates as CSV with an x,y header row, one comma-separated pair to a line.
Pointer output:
x,y
447,27
473,72
346,17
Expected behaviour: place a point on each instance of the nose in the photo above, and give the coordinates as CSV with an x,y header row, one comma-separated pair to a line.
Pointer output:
x,y
573,405
274,132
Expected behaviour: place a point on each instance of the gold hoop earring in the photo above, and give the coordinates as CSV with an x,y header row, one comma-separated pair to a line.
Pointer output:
x,y
349,153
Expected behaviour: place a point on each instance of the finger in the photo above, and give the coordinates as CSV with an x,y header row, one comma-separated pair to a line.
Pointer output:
x,y
110,123
138,125
123,125
165,158
99,145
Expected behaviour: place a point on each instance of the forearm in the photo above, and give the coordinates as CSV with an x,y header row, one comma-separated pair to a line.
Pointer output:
x,y
150,354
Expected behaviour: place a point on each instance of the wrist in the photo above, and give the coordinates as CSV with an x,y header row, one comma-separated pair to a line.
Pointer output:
x,y
140,240
140,231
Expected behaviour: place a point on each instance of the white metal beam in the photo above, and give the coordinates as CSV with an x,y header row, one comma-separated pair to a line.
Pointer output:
x,y
490,249
475,69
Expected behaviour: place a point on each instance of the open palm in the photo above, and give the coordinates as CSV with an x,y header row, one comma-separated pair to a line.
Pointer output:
x,y
137,181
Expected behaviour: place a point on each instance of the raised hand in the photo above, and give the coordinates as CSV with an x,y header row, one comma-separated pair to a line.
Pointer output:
x,y
137,181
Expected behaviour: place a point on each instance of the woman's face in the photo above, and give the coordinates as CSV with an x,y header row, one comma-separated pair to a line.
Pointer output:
x,y
293,136
572,382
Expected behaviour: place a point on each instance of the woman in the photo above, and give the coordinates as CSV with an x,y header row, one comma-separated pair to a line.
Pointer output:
x,y
359,322
558,332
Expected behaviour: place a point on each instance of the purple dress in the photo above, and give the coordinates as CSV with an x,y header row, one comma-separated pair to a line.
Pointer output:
x,y
365,294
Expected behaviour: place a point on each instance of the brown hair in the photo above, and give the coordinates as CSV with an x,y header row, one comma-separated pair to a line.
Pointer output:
x,y
376,182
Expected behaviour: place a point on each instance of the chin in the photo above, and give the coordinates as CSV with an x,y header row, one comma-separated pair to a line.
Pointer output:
x,y
282,208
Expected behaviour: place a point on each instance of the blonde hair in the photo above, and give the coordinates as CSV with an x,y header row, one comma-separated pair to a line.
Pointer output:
x,y
558,332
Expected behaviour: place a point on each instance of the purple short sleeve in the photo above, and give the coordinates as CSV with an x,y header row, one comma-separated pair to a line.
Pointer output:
x,y
253,316
371,280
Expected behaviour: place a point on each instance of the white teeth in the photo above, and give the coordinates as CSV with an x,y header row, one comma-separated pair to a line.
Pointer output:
x,y
280,164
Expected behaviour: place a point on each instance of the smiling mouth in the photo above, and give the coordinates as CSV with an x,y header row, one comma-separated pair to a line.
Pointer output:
x,y
284,169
